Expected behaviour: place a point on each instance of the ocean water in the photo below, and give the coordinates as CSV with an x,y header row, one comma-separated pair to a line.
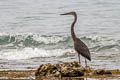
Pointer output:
x,y
32,32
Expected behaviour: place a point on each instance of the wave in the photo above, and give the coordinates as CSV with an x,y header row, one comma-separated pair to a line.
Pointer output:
x,y
26,46
27,40
28,53
101,43
37,40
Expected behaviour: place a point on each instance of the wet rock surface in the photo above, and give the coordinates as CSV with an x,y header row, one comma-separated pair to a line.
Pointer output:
x,y
102,72
70,69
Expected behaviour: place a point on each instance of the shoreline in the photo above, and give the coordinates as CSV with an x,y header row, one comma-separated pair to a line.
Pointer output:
x,y
17,74
30,74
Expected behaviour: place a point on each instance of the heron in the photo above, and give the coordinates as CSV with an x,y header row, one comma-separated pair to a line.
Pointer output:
x,y
79,46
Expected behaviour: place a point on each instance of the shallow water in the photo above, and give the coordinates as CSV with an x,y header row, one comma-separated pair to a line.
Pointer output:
x,y
32,32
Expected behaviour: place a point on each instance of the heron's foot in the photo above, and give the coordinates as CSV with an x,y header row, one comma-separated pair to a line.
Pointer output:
x,y
79,62
88,69
87,66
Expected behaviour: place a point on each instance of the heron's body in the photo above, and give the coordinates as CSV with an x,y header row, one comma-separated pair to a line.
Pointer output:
x,y
79,46
82,49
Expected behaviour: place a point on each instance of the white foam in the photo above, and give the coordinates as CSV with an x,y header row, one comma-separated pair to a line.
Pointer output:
x,y
96,38
48,39
28,53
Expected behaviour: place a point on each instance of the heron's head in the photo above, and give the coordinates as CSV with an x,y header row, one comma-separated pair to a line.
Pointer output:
x,y
70,13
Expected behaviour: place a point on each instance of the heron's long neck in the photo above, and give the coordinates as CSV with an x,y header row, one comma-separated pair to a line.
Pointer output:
x,y
72,27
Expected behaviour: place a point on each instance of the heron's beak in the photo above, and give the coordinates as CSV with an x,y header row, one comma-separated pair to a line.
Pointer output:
x,y
65,14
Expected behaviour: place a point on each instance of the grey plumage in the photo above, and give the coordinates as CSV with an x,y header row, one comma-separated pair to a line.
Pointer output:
x,y
82,49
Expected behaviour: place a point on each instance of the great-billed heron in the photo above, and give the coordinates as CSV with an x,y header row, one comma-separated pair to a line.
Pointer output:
x,y
79,46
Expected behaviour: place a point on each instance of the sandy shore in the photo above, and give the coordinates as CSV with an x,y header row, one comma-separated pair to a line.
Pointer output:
x,y
17,74
30,75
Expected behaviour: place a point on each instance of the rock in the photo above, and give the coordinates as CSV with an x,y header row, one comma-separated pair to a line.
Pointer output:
x,y
108,72
100,72
70,69
72,72
67,69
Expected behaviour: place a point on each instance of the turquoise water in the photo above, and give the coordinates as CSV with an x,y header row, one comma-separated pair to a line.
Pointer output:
x,y
32,32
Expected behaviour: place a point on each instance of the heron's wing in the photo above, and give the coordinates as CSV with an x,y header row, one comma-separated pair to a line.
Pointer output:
x,y
82,49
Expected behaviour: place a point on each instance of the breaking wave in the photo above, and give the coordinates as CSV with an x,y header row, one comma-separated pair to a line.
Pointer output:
x,y
28,53
26,46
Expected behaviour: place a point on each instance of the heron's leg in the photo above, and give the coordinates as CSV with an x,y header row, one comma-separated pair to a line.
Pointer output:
x,y
79,58
86,62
